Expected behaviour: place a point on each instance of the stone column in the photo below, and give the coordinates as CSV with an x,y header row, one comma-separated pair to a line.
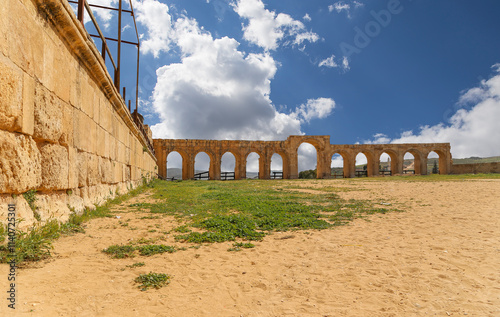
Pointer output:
x,y
265,166
240,167
293,166
214,169
188,167
323,167
162,162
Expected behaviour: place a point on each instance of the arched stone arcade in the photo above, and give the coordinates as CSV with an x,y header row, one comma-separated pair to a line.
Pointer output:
x,y
188,149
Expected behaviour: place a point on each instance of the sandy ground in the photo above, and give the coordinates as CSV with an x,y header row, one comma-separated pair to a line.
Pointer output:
x,y
441,257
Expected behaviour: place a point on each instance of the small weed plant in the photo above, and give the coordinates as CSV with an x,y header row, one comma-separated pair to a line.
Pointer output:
x,y
152,280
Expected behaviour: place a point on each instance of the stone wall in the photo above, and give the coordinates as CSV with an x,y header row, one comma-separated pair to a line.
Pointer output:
x,y
475,168
65,131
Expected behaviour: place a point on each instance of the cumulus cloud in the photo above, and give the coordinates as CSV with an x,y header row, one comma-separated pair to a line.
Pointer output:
x,y
315,109
267,29
471,131
155,17
307,18
218,92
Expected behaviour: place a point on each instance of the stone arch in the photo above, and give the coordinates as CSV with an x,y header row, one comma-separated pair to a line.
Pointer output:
x,y
417,160
442,165
185,162
394,165
271,175
345,164
370,162
231,166
259,161
172,156
318,157
211,169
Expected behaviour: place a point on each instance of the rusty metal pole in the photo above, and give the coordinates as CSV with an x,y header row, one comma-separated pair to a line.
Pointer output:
x,y
118,68
103,50
81,7
124,92
137,80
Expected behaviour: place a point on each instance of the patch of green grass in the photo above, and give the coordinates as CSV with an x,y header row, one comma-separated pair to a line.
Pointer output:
x,y
182,229
152,280
151,249
120,251
137,264
226,211
240,245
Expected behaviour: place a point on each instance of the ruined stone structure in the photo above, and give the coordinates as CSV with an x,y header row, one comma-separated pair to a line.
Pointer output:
x,y
65,131
188,149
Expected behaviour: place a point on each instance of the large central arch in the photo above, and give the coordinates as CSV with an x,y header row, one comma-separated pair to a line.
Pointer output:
x,y
288,151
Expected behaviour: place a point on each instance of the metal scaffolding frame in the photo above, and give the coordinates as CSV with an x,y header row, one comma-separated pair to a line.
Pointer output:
x,y
83,6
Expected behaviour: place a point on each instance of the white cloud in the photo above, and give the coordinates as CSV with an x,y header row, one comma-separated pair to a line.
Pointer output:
x,y
155,17
473,132
339,7
218,92
343,6
329,62
266,28
315,109
307,18
345,63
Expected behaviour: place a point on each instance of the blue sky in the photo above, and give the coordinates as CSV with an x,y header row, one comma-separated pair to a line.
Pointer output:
x,y
360,71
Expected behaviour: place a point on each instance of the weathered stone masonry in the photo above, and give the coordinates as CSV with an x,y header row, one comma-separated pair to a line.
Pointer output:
x,y
65,131
188,149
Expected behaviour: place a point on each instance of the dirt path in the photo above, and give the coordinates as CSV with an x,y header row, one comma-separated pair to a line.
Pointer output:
x,y
439,257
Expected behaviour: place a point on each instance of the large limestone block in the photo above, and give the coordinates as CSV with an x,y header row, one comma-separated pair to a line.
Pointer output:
x,y
126,173
55,167
24,214
100,141
67,135
87,97
53,206
76,204
92,169
75,85
20,163
48,115
4,27
47,76
11,89
81,162
98,194
84,194
105,170
25,38
28,120
62,84
73,173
